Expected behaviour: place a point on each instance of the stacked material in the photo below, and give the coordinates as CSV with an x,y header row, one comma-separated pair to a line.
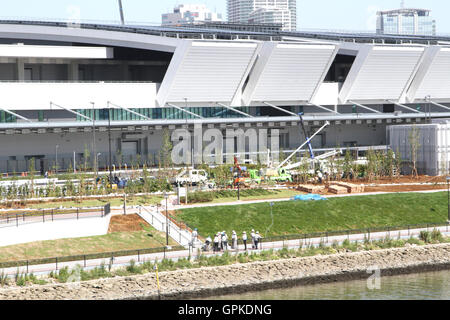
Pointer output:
x,y
310,188
337,189
351,188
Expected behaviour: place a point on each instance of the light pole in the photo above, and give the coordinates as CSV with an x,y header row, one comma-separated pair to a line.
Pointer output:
x,y
448,200
109,140
428,106
93,137
98,154
167,220
56,158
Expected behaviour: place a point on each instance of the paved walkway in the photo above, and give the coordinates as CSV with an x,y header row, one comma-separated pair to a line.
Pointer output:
x,y
175,255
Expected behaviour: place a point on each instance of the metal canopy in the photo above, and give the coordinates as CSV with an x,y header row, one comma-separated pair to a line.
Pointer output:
x,y
323,108
403,106
278,108
181,109
15,114
364,107
71,111
233,109
128,110
438,105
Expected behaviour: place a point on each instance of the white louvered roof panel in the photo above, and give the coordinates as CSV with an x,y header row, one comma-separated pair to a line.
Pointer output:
x,y
293,72
211,72
386,73
436,82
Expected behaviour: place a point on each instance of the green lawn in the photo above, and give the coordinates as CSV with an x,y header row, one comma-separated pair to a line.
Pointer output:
x,y
116,241
293,217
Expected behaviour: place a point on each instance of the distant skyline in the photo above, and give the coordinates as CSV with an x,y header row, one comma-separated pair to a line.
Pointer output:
x,y
358,15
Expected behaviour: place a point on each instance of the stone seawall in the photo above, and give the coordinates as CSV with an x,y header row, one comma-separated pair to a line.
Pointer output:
x,y
203,282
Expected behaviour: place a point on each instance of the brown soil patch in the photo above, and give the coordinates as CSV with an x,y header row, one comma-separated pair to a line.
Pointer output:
x,y
404,188
129,222
402,179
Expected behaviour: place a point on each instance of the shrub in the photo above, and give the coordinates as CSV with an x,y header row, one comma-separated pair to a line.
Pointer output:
x,y
425,236
132,268
436,236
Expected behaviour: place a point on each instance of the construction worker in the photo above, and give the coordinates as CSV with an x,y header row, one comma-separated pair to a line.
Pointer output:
x,y
219,235
257,238
216,243
224,241
207,243
244,239
194,236
319,176
252,234
233,240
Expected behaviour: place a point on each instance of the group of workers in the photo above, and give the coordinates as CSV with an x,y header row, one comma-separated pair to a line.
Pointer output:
x,y
220,241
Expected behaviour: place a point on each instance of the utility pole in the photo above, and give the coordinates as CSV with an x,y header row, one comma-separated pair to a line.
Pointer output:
x,y
122,19
94,151
109,138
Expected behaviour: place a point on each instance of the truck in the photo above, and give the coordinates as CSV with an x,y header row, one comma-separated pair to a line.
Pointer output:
x,y
278,175
192,176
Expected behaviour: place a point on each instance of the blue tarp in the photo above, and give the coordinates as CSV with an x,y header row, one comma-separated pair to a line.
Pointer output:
x,y
307,197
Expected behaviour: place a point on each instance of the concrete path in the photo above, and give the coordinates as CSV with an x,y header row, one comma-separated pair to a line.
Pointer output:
x,y
175,255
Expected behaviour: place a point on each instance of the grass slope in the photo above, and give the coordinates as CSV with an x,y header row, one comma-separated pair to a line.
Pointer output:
x,y
115,241
292,217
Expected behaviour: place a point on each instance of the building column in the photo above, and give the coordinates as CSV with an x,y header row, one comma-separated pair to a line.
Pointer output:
x,y
73,71
20,69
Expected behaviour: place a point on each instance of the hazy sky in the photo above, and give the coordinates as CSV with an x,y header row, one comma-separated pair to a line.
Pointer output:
x,y
315,14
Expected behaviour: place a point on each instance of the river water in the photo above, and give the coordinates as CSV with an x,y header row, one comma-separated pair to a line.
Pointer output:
x,y
421,286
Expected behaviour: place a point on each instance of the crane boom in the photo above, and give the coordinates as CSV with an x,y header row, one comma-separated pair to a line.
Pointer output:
x,y
122,19
306,136
306,142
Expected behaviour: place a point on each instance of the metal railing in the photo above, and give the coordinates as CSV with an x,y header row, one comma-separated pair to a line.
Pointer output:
x,y
365,231
47,215
177,233
84,258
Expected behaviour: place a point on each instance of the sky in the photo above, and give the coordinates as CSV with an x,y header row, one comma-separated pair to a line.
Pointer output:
x,y
336,15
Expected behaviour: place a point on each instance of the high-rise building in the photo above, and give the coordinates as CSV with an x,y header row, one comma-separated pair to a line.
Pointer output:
x,y
406,21
264,11
190,13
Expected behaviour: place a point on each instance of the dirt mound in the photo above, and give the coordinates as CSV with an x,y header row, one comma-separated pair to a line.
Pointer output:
x,y
130,222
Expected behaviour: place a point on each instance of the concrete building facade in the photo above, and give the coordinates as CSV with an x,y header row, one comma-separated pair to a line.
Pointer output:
x,y
190,14
67,92
264,11
406,21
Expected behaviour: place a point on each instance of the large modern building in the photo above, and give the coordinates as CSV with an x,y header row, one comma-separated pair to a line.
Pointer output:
x,y
264,11
63,88
406,21
190,14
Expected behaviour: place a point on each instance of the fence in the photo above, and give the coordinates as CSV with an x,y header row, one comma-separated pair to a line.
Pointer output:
x,y
86,257
140,252
365,231
46,215
174,231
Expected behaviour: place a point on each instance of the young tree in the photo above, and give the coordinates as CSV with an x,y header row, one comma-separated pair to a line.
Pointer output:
x,y
31,169
414,145
86,155
166,150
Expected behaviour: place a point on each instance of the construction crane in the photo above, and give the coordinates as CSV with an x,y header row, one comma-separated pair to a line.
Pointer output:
x,y
122,19
306,136
308,140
